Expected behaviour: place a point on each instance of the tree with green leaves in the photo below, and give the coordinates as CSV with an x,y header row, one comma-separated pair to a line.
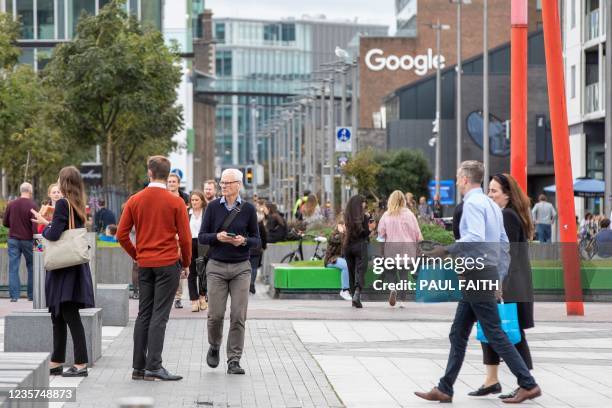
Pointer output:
x,y
117,83
405,170
362,171
31,150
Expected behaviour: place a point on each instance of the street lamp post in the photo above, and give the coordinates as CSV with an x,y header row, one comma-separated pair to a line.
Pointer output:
x,y
608,125
485,96
332,139
458,109
254,148
322,143
438,121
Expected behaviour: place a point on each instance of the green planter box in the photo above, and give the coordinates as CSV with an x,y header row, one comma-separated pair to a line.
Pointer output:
x,y
592,278
302,277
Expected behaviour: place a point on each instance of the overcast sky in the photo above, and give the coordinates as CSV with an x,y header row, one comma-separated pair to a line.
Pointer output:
x,y
366,11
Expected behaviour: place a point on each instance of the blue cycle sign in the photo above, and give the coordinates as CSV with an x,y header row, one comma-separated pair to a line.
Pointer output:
x,y
343,139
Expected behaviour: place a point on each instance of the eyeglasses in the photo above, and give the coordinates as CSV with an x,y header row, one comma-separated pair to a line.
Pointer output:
x,y
227,183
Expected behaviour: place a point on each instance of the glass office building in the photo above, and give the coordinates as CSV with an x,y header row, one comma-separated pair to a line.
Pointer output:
x,y
266,61
45,23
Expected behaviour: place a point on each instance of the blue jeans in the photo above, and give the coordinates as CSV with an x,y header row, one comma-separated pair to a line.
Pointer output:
x,y
17,247
344,278
486,313
543,232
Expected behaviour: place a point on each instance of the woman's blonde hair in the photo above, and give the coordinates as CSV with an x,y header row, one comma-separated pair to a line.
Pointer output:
x,y
396,202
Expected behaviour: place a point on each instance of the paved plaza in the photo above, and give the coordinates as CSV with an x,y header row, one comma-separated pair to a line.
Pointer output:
x,y
312,353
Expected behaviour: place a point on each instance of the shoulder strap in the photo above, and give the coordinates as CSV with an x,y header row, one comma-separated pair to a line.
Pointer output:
x,y
230,217
70,216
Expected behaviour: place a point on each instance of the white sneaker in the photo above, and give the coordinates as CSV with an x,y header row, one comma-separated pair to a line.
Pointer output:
x,y
345,294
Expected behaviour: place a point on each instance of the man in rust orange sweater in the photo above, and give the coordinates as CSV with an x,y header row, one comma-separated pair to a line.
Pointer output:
x,y
158,217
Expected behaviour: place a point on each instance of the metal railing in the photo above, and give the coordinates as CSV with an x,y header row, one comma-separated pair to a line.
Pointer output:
x,y
591,98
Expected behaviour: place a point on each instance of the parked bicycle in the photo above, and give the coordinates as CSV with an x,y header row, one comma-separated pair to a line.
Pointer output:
x,y
298,253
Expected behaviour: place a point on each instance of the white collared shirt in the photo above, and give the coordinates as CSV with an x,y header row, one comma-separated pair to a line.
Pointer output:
x,y
156,184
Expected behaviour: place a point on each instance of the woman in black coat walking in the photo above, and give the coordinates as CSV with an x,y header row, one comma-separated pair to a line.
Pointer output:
x,y
517,286
68,289
355,245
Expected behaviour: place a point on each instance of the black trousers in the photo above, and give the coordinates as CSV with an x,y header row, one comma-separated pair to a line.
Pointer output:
x,y
490,357
68,317
196,288
157,289
486,313
356,255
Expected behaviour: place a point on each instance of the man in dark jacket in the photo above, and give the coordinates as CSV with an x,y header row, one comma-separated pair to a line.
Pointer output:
x,y
104,217
18,219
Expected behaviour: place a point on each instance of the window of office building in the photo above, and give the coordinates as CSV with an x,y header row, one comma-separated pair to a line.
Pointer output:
x,y
25,11
45,14
150,12
133,7
271,32
220,32
102,3
573,82
79,7
288,32
224,63
27,56
43,56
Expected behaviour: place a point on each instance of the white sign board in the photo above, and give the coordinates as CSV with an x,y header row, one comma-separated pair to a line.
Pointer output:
x,y
344,139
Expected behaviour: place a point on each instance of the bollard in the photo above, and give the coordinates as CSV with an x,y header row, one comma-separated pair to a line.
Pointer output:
x,y
38,285
136,402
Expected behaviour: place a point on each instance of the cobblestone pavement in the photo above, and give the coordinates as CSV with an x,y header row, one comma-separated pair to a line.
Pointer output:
x,y
280,372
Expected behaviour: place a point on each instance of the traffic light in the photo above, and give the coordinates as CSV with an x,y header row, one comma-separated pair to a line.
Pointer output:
x,y
248,176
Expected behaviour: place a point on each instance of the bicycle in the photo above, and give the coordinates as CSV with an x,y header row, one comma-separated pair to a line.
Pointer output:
x,y
298,253
587,247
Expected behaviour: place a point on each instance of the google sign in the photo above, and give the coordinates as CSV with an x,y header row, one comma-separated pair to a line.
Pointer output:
x,y
376,61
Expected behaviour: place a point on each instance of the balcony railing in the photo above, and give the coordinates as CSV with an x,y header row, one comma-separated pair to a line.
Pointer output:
x,y
591,25
591,101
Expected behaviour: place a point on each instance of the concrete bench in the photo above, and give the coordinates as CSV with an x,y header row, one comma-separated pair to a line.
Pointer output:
x,y
23,370
114,300
31,331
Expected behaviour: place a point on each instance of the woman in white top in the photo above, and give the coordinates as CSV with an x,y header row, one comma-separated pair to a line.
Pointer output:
x,y
197,290
399,229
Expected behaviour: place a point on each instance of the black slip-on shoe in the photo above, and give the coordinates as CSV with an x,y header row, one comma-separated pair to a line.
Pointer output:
x,y
75,372
482,391
57,370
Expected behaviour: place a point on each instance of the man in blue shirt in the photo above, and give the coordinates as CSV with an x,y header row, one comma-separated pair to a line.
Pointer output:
x,y
482,235
603,239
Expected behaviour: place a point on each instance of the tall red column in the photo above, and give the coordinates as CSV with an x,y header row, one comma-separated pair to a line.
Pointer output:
x,y
518,96
561,152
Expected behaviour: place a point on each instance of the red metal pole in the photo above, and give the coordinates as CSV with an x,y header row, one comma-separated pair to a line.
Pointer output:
x,y
562,159
518,96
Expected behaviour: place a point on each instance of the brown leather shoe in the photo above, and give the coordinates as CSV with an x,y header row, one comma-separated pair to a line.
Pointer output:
x,y
523,395
434,395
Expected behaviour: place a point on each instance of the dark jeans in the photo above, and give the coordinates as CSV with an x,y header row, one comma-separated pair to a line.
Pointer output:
x,y
157,289
356,255
486,313
255,261
490,357
196,288
68,316
17,247
543,232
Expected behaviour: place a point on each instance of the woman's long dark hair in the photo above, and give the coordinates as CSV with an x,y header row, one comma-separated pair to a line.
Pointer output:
x,y
517,200
353,217
273,213
71,186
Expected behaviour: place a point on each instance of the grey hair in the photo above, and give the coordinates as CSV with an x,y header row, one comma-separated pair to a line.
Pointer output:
x,y
235,172
473,170
26,188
